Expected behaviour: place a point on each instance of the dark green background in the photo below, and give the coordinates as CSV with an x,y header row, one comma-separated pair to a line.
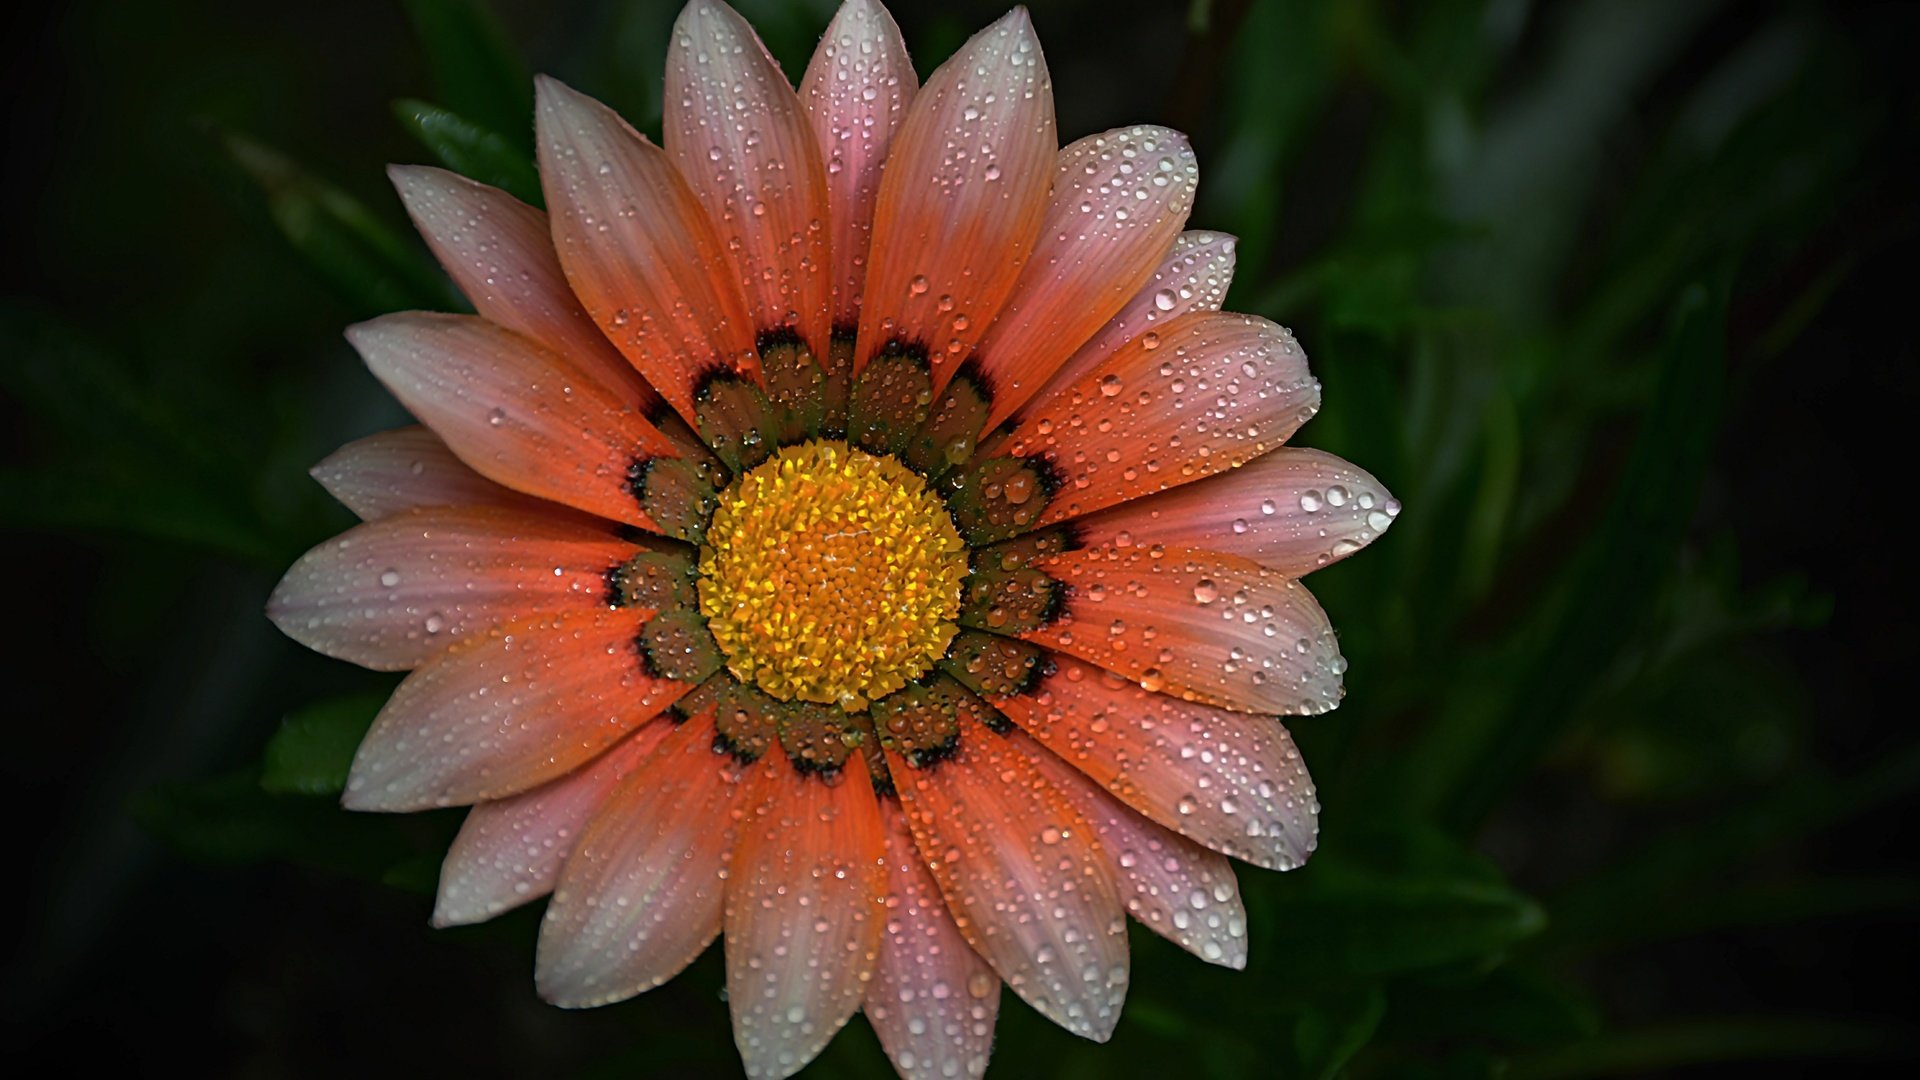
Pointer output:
x,y
1614,294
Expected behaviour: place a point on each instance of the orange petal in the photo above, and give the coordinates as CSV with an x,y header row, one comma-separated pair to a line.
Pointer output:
x,y
389,594
856,92
804,900
1193,276
515,412
962,197
640,897
500,252
637,247
1023,876
1173,886
1119,199
1294,510
495,715
509,851
1205,626
734,128
410,467
933,1000
1197,397
1228,780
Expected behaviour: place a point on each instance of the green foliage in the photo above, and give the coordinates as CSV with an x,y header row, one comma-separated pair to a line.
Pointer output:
x,y
365,262
476,69
471,150
313,749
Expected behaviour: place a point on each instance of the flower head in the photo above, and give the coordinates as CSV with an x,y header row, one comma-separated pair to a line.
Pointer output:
x,y
852,528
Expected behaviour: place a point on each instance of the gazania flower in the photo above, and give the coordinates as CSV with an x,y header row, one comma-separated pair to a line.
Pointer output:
x,y
851,528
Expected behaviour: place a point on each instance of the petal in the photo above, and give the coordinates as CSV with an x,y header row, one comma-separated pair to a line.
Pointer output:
x,y
1173,886
734,128
389,594
1023,876
1119,200
509,851
640,898
962,197
1231,781
856,92
1293,510
804,905
1212,390
1204,626
410,467
517,413
500,252
505,712
933,1000
637,247
1193,276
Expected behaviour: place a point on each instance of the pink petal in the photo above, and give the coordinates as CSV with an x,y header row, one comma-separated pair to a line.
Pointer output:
x,y
1023,876
856,92
734,128
1173,886
1231,781
500,252
1119,200
640,897
389,594
803,912
637,247
517,413
1293,510
510,851
962,197
1205,626
1193,276
1201,395
410,467
505,712
933,1000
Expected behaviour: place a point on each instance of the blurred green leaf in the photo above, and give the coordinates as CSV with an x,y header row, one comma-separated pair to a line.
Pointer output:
x,y
1616,576
1655,876
476,70
313,750
1418,901
471,150
233,819
1330,1032
367,264
1507,1005
118,458
1279,76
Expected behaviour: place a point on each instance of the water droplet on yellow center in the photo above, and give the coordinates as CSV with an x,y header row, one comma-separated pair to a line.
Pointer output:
x,y
831,575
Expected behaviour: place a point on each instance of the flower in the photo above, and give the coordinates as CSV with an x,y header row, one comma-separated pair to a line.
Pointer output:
x,y
893,570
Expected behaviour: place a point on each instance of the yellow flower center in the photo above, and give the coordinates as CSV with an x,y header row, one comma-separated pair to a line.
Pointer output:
x,y
831,575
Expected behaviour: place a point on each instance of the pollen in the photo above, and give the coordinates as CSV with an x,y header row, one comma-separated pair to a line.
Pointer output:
x,y
831,575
